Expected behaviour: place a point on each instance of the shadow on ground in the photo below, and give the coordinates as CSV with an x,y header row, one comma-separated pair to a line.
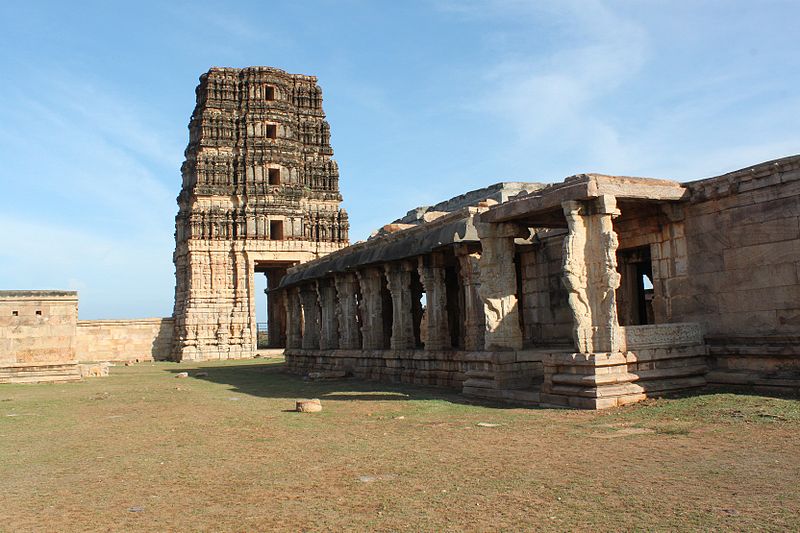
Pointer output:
x,y
271,380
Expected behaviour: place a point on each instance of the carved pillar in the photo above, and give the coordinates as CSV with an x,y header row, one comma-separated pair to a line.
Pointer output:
x,y
474,319
371,280
308,298
498,289
431,273
347,314
293,318
276,310
399,281
590,273
329,326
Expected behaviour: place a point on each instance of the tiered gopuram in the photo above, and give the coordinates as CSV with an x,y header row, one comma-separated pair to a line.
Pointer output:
x,y
260,193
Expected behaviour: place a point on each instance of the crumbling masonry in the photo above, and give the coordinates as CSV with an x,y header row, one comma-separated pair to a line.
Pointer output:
x,y
260,193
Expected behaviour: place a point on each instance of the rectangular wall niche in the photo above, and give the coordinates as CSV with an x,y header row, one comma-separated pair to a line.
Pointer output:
x,y
274,176
276,230
272,131
269,93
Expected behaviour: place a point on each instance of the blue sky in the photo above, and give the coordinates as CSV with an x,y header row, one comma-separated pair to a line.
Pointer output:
x,y
426,99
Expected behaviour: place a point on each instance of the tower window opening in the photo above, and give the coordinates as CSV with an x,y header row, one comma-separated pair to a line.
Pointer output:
x,y
274,176
276,230
269,93
272,131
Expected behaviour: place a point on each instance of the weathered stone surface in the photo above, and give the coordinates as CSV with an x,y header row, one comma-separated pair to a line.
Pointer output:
x,y
145,339
260,192
498,289
590,274
308,406
38,327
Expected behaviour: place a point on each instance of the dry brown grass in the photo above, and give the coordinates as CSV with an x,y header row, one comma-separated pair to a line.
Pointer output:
x,y
141,450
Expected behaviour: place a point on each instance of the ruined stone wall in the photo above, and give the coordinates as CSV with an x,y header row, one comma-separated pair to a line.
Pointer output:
x,y
145,339
37,327
259,189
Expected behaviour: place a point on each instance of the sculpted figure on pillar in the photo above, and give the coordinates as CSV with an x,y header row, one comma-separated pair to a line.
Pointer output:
x,y
498,288
590,273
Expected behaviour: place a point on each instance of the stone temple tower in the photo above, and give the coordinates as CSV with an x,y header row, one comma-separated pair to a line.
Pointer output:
x,y
260,193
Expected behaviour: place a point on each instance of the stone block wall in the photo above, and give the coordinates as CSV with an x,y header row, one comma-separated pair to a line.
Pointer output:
x,y
37,327
743,241
546,316
144,339
439,368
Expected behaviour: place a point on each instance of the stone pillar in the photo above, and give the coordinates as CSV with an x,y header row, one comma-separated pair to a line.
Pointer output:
x,y
474,319
293,318
431,273
590,273
308,298
498,289
329,326
398,276
371,280
276,310
347,314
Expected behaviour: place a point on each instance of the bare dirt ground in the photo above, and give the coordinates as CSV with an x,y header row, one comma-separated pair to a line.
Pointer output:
x,y
142,450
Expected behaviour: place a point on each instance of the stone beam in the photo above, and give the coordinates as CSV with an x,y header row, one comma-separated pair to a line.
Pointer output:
x,y
586,187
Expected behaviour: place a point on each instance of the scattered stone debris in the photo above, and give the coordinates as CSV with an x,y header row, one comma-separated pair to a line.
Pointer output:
x,y
182,375
135,509
488,425
308,406
399,418
201,375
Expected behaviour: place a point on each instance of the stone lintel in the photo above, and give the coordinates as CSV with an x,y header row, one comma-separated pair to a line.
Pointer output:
x,y
548,201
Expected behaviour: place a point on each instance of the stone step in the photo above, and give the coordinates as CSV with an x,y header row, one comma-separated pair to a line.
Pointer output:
x,y
40,374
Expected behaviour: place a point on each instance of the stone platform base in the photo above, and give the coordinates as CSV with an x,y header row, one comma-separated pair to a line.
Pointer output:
x,y
755,364
40,373
511,377
599,381
418,367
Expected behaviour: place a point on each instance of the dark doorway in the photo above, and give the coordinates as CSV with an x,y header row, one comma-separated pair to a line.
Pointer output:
x,y
635,293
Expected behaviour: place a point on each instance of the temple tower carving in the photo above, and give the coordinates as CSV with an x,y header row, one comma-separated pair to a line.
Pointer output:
x,y
260,193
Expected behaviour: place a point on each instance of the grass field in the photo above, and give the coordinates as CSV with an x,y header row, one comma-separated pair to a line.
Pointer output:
x,y
142,450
